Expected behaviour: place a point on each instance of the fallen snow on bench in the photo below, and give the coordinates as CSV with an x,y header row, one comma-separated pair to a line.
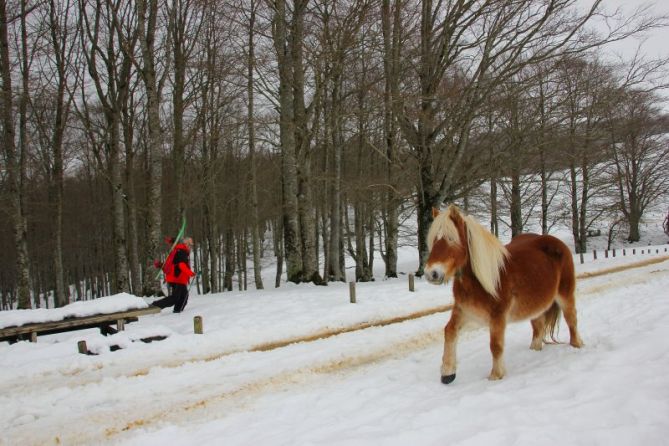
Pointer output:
x,y
104,305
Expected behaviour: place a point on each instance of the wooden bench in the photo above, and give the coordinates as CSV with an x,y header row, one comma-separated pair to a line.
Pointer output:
x,y
102,321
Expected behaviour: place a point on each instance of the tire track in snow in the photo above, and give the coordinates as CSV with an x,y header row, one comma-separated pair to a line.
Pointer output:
x,y
218,400
213,396
279,382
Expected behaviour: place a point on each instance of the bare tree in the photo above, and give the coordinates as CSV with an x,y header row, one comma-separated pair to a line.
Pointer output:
x,y
105,27
585,86
466,50
185,24
253,180
283,43
133,140
147,20
62,41
13,157
391,28
640,153
546,106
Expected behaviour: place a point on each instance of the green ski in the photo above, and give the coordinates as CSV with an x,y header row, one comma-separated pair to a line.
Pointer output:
x,y
176,240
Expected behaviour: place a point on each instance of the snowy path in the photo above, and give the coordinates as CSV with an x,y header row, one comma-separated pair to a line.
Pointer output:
x,y
84,407
80,373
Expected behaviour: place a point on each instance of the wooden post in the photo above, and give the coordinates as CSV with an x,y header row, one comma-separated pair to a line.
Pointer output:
x,y
197,325
614,253
581,256
83,348
624,252
594,254
33,336
120,325
606,253
411,283
351,291
633,251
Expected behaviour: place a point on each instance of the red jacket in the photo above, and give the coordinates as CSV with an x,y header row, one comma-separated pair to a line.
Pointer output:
x,y
176,267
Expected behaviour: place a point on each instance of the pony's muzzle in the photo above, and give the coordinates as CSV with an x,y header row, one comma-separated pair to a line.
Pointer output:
x,y
434,276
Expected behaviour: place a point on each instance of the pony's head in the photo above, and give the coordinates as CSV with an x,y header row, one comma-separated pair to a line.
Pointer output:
x,y
456,240
447,242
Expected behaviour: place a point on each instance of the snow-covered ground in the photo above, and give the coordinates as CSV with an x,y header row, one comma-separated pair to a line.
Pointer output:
x,y
287,366
378,385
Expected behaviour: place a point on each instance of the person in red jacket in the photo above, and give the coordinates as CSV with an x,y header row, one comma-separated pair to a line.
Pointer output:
x,y
177,275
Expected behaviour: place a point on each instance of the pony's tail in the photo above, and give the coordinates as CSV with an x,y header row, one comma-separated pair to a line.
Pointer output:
x,y
552,316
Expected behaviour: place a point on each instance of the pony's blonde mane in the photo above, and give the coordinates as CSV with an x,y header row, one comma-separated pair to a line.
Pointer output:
x,y
487,255
443,227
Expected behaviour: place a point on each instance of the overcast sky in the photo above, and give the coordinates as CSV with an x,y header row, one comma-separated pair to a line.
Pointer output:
x,y
654,44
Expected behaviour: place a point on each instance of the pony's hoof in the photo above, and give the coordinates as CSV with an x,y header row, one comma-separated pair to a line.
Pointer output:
x,y
577,343
447,379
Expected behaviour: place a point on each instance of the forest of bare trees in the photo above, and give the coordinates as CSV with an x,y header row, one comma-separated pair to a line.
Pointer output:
x,y
298,133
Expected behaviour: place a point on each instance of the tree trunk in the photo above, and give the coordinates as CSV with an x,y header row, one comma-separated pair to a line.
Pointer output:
x,y
307,222
121,283
428,199
230,259
390,70
255,223
212,245
585,193
59,47
543,120
334,128
179,34
285,61
425,205
516,204
61,294
131,201
13,163
544,193
146,19
277,237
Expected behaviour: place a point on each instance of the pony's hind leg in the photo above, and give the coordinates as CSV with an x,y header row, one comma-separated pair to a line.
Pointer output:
x,y
538,330
497,329
567,301
568,306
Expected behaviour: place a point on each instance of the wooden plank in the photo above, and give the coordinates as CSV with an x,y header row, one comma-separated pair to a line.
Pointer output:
x,y
77,322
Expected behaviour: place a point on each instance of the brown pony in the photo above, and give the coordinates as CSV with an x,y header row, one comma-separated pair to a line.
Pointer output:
x,y
530,278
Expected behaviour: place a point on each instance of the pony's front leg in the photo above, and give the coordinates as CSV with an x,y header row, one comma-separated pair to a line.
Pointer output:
x,y
448,362
497,329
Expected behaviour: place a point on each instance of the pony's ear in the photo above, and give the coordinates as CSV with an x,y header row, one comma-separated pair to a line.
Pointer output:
x,y
455,215
435,212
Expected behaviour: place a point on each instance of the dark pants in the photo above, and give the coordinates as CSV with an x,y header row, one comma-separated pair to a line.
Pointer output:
x,y
178,297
